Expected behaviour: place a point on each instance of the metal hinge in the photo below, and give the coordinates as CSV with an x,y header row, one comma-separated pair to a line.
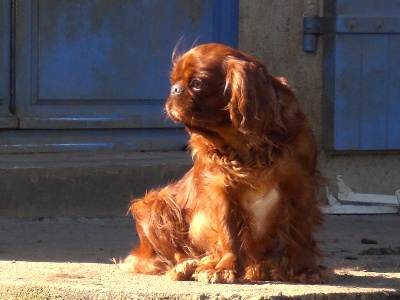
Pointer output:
x,y
312,26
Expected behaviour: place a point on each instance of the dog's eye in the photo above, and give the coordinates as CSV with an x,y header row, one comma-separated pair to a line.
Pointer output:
x,y
196,84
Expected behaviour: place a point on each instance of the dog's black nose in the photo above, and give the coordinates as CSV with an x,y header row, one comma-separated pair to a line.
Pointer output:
x,y
176,89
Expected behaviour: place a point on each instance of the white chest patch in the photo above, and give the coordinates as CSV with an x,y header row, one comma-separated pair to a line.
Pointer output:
x,y
201,229
261,206
199,224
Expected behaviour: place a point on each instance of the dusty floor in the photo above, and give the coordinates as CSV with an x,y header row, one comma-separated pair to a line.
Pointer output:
x,y
68,258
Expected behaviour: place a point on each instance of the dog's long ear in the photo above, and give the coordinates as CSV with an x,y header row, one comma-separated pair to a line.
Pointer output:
x,y
254,105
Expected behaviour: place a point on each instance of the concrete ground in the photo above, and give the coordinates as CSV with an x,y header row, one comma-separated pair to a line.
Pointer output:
x,y
70,259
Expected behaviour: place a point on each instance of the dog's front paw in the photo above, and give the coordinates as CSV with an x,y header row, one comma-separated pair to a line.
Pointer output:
x,y
320,275
183,270
215,276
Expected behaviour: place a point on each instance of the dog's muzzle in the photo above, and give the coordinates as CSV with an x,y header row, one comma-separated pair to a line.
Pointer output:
x,y
177,89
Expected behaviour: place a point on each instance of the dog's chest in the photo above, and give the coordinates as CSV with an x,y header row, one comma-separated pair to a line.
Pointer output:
x,y
203,230
260,205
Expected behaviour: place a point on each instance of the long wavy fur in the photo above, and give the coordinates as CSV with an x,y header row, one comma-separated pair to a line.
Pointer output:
x,y
248,208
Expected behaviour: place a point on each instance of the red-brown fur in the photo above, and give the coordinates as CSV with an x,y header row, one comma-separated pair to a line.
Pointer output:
x,y
247,209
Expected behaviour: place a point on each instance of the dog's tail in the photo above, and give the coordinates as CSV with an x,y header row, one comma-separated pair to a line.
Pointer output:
x,y
161,222
161,227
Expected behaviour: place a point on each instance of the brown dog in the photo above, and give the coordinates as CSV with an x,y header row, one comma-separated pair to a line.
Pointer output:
x,y
248,207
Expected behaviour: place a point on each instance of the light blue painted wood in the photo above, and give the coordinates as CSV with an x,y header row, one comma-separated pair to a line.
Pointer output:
x,y
374,92
367,24
367,79
365,8
347,91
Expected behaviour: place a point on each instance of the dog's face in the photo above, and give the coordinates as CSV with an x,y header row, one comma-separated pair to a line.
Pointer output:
x,y
214,87
197,96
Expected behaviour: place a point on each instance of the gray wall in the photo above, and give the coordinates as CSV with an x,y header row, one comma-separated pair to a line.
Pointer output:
x,y
271,30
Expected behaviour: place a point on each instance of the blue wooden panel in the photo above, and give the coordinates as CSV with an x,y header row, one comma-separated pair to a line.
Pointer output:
x,y
105,64
5,23
367,25
366,8
347,91
7,120
55,140
367,77
393,129
373,110
122,53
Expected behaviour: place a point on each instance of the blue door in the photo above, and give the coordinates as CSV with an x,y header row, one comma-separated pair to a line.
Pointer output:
x,y
362,76
94,74
7,119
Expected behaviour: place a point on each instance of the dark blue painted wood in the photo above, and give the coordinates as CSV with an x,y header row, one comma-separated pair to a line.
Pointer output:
x,y
5,23
7,120
55,140
100,68
105,64
367,78
393,127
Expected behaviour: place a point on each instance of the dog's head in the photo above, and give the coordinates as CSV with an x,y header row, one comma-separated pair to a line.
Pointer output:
x,y
213,86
